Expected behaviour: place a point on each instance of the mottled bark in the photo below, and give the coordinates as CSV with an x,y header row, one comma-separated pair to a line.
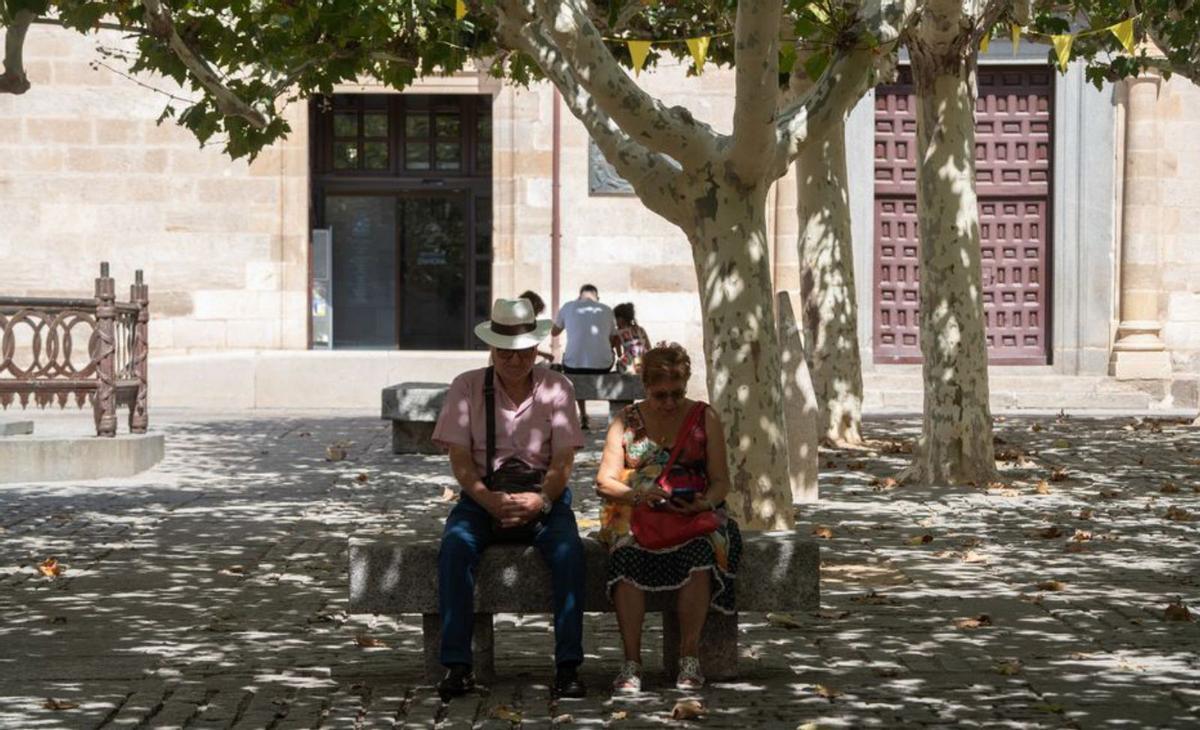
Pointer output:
x,y
14,80
729,248
955,446
800,408
830,312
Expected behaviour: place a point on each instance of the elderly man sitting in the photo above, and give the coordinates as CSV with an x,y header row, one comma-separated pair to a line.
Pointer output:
x,y
513,488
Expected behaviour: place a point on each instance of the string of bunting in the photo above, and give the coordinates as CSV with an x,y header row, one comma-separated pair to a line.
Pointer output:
x,y
639,49
1062,42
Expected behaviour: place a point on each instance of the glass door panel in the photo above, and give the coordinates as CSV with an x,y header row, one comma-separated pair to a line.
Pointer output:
x,y
434,251
364,269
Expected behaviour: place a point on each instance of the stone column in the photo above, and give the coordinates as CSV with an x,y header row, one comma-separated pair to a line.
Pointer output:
x,y
1139,352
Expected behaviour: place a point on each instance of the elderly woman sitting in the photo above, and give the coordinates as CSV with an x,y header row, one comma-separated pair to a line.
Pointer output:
x,y
666,456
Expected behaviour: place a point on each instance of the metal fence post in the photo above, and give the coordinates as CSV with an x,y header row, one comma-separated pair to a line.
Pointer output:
x,y
105,404
139,294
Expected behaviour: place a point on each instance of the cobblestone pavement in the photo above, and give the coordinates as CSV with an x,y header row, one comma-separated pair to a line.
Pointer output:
x,y
211,592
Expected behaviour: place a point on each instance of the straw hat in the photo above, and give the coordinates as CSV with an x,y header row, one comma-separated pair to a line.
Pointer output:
x,y
513,326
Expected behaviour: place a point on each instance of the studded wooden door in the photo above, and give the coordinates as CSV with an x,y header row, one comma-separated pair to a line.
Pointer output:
x,y
1012,158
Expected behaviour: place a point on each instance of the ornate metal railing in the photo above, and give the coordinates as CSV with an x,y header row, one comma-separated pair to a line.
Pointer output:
x,y
42,355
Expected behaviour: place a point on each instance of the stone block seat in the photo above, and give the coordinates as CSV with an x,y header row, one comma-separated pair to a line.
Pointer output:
x,y
618,389
413,409
398,575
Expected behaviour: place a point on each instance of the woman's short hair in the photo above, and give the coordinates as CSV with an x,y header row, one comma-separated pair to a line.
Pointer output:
x,y
666,361
538,305
625,312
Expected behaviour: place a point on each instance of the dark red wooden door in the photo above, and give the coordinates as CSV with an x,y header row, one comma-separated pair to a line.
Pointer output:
x,y
1012,158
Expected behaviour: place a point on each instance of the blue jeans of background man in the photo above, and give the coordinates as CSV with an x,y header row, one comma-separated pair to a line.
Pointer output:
x,y
469,530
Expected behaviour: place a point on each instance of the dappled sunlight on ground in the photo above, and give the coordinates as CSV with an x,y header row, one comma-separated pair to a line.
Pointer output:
x,y
211,591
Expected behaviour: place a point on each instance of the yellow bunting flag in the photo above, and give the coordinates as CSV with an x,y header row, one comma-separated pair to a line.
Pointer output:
x,y
699,49
985,42
460,9
638,50
1124,33
1016,38
1062,49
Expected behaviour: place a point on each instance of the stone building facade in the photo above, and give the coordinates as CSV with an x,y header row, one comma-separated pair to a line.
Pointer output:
x,y
239,296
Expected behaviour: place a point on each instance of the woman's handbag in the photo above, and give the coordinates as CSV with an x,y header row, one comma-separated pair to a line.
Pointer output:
x,y
657,528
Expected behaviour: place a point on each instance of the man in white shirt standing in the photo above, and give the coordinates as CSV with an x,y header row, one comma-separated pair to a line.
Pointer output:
x,y
592,339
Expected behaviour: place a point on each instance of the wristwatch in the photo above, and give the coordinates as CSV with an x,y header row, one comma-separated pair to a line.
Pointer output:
x,y
547,505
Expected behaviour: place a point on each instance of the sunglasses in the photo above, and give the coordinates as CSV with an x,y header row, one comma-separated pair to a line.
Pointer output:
x,y
514,354
662,395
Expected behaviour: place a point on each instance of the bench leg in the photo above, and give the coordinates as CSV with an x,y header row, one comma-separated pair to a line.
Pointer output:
x,y
482,646
718,645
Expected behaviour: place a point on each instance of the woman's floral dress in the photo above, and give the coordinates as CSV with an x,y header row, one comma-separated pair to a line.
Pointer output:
x,y
663,570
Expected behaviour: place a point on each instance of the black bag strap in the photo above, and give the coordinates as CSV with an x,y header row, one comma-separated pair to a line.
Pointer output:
x,y
489,399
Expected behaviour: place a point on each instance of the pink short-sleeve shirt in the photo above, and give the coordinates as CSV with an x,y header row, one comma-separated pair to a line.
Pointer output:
x,y
530,431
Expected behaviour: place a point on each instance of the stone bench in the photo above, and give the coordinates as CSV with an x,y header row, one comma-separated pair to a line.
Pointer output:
x,y
413,409
398,575
617,388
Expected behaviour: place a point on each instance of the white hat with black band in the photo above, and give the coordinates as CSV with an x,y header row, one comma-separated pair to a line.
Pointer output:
x,y
513,326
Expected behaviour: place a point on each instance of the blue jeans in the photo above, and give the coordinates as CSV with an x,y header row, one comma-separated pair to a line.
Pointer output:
x,y
469,530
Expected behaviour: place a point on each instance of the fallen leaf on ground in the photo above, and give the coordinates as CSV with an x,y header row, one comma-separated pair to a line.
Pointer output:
x,y
1081,536
688,710
874,599
53,704
368,642
361,477
563,719
835,615
335,452
1049,533
619,715
783,621
1036,427
920,539
1042,487
859,465
1169,488
974,622
1052,585
1179,514
1177,611
971,556
50,568
823,531
828,693
1010,455
448,495
1058,474
1009,667
885,483
1086,513
504,712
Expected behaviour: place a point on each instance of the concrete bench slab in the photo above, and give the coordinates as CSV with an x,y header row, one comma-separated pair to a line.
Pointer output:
x,y
413,409
391,575
618,389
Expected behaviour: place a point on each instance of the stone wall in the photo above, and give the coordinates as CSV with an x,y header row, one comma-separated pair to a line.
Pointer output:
x,y
1178,112
87,175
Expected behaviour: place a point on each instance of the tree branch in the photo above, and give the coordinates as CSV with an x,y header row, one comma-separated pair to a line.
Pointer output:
x,y
849,76
14,80
672,131
654,176
756,33
228,103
